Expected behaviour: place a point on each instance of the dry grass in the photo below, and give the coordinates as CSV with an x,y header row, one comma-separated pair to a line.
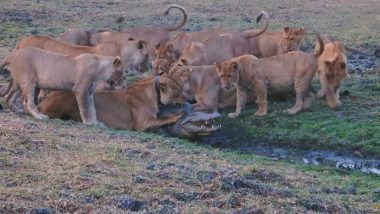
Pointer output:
x,y
68,167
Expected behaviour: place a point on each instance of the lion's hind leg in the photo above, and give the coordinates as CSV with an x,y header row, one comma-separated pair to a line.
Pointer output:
x,y
29,102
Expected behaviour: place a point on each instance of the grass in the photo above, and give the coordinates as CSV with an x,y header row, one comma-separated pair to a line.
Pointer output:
x,y
68,167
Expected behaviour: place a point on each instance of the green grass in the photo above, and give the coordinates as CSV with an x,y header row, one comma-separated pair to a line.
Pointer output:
x,y
354,127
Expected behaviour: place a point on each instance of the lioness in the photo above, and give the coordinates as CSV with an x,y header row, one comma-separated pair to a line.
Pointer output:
x,y
132,53
167,53
332,69
290,71
202,83
218,49
208,51
272,43
33,69
153,35
134,107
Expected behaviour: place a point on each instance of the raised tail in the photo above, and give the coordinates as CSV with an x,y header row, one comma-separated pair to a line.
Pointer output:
x,y
253,33
321,46
184,18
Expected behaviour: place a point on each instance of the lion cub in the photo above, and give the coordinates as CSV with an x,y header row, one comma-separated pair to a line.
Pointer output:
x,y
33,69
291,71
332,70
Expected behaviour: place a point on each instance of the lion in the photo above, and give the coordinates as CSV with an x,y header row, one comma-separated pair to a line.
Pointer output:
x,y
33,69
220,48
332,70
213,49
133,108
168,53
202,83
291,71
133,54
272,43
153,35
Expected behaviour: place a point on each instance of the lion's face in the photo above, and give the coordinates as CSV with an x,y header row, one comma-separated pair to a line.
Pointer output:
x,y
165,57
171,91
228,73
182,75
332,70
135,55
291,39
117,80
161,66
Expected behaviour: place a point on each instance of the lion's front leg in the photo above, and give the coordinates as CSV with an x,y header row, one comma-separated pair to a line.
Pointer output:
x,y
87,107
323,82
261,97
240,102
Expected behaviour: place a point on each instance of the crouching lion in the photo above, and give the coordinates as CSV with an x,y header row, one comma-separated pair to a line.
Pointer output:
x,y
202,83
33,69
332,70
133,108
286,72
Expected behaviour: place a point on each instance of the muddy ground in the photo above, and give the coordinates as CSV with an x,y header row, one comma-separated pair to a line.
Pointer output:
x,y
279,163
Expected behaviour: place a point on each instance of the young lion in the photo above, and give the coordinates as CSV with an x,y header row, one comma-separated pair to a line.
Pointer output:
x,y
33,69
331,71
133,54
290,71
202,83
133,108
220,48
272,43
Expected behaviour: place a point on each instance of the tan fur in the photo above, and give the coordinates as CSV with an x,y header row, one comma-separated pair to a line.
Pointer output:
x,y
202,83
272,43
132,53
33,68
167,53
133,108
286,72
218,49
332,70
75,36
153,35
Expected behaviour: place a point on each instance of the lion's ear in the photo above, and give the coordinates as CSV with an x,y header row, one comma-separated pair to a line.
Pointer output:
x,y
286,29
170,47
219,66
301,31
141,45
234,66
163,87
342,65
186,74
116,62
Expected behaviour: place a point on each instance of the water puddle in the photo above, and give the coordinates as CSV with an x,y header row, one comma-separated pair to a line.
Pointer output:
x,y
347,161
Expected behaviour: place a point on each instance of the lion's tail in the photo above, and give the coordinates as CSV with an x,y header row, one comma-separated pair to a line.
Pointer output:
x,y
184,18
250,33
321,46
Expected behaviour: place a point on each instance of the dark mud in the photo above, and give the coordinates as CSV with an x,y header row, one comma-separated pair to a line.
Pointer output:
x,y
348,160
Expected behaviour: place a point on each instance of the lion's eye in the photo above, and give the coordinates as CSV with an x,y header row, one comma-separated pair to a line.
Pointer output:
x,y
229,76
291,39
